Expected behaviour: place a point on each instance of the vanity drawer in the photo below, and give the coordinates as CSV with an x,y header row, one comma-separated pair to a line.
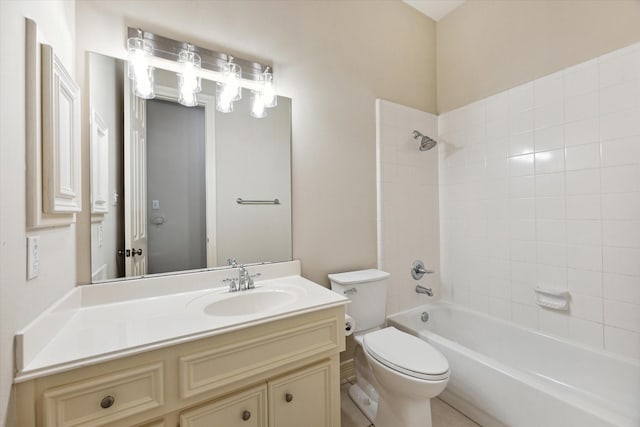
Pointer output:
x,y
269,349
246,409
102,400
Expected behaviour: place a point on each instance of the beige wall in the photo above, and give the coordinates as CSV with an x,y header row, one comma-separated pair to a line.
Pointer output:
x,y
333,59
22,300
485,47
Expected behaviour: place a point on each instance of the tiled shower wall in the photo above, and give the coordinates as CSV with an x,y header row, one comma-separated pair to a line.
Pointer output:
x,y
540,186
407,202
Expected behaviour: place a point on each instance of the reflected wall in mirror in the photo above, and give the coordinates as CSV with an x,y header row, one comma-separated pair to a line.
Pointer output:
x,y
174,175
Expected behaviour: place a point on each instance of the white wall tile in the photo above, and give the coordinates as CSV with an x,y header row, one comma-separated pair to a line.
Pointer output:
x,y
521,186
524,273
622,315
549,161
550,184
521,143
521,165
621,260
583,157
621,206
522,208
585,282
584,207
585,181
586,307
551,231
549,138
582,257
620,97
520,121
621,179
549,115
550,276
622,342
622,151
581,107
582,132
522,229
620,124
621,233
584,232
523,250
622,287
552,254
550,208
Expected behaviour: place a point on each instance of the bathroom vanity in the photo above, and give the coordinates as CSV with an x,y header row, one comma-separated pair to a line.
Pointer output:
x,y
148,353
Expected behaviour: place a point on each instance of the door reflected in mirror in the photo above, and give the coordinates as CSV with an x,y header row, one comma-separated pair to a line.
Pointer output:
x,y
186,188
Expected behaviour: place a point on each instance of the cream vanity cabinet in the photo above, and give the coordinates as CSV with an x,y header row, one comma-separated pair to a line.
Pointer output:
x,y
282,373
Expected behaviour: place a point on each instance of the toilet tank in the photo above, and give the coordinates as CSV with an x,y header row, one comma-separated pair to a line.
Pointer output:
x,y
367,290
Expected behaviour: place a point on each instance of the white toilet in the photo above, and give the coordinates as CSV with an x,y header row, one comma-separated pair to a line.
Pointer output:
x,y
396,373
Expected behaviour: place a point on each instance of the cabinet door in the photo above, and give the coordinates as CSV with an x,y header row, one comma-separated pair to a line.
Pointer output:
x,y
245,409
302,398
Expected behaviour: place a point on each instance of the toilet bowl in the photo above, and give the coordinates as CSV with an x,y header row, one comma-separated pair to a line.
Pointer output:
x,y
396,373
408,373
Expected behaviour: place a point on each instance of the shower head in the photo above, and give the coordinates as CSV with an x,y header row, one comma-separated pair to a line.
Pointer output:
x,y
426,143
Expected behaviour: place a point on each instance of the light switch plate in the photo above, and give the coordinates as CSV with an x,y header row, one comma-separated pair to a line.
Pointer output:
x,y
33,257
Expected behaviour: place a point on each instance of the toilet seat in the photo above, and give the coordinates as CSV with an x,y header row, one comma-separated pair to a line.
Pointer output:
x,y
406,354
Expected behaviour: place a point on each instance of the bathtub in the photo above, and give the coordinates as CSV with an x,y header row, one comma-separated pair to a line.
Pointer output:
x,y
503,374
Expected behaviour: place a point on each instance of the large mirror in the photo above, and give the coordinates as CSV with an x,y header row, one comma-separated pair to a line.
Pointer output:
x,y
177,188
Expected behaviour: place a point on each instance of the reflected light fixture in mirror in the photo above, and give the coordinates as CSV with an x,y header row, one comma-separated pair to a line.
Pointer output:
x,y
140,71
257,105
188,80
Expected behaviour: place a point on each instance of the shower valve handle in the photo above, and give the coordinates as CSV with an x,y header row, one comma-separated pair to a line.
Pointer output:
x,y
418,270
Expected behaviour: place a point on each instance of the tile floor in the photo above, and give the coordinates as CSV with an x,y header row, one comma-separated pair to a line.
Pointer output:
x,y
442,414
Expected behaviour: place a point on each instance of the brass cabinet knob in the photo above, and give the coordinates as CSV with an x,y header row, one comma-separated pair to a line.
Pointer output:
x,y
288,397
246,415
107,402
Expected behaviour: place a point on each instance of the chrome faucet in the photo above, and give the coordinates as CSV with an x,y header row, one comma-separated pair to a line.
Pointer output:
x,y
243,274
422,290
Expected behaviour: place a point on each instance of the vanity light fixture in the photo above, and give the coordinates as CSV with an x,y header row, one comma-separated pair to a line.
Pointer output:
x,y
191,63
139,70
189,83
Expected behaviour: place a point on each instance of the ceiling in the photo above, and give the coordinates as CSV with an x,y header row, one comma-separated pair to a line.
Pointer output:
x,y
434,9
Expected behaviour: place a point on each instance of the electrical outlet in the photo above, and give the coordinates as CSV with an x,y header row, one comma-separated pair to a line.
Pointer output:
x,y
33,257
155,204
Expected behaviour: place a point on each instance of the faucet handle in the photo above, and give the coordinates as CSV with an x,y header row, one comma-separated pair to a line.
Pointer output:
x,y
233,286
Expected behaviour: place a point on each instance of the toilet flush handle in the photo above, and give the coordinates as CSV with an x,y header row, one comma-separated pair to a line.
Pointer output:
x,y
350,291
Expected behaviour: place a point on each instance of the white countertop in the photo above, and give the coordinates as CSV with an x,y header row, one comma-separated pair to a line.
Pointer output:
x,y
103,324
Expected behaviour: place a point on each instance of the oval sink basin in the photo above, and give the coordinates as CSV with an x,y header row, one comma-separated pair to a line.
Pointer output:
x,y
250,302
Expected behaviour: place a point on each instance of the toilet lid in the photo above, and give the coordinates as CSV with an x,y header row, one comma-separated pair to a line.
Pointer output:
x,y
407,354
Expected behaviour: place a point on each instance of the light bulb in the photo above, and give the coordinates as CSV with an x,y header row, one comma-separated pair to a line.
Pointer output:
x,y
188,79
224,99
268,89
232,74
257,105
139,70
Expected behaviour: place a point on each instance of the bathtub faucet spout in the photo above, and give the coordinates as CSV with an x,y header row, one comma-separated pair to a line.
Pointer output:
x,y
423,290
